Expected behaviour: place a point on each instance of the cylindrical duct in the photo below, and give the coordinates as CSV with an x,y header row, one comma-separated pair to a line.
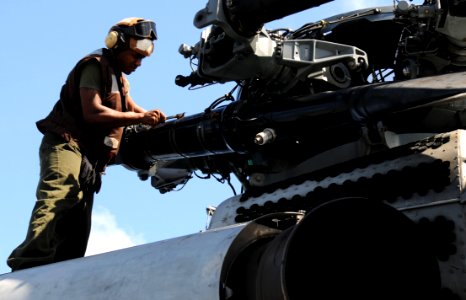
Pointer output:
x,y
349,248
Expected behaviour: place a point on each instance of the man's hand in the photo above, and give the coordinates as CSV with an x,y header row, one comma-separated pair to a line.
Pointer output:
x,y
153,117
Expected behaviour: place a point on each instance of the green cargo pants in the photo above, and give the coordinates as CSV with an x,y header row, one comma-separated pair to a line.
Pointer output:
x,y
60,223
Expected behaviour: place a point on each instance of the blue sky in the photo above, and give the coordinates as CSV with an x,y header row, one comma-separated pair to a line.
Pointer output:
x,y
42,40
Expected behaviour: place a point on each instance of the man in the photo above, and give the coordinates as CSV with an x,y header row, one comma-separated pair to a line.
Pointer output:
x,y
82,136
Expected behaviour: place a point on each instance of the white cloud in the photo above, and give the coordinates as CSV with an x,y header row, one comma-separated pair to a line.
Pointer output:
x,y
107,236
358,4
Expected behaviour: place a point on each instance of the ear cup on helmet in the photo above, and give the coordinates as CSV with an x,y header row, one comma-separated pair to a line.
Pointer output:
x,y
115,38
112,39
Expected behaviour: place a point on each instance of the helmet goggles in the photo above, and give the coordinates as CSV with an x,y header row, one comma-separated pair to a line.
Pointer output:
x,y
143,29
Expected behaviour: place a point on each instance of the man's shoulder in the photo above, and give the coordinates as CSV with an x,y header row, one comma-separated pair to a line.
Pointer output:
x,y
96,57
97,52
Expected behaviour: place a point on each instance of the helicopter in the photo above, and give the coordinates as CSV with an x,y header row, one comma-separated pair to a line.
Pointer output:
x,y
346,135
